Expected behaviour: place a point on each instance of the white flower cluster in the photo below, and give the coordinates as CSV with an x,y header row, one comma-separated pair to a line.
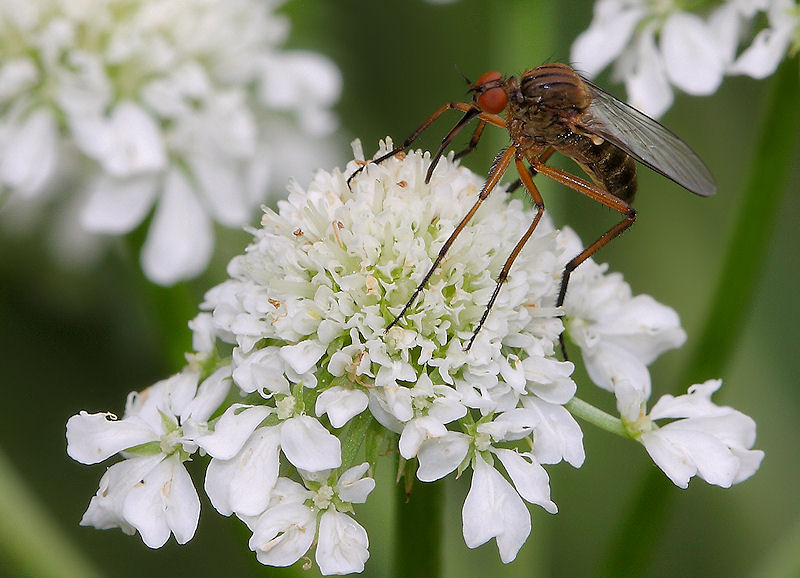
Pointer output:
x,y
153,103
657,45
297,374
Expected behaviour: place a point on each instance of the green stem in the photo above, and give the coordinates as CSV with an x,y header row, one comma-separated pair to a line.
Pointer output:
x,y
418,541
30,539
752,232
598,417
645,521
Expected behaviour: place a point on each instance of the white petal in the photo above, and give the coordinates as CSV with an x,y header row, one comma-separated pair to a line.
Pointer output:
x,y
17,75
609,33
210,395
493,509
342,546
341,404
116,206
644,327
303,356
137,144
164,501
763,56
440,456
106,507
29,161
219,180
557,435
715,448
646,78
695,403
163,400
549,379
306,79
260,370
310,446
725,24
233,429
180,240
377,408
447,408
179,392
715,463
530,479
395,399
691,57
352,487
91,438
418,431
749,462
283,533
669,458
610,365
513,372
243,484
511,425
631,401
203,333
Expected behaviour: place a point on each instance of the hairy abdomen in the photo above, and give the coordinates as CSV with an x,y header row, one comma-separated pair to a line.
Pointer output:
x,y
607,165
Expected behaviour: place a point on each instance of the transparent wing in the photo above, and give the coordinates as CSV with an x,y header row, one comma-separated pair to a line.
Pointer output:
x,y
647,141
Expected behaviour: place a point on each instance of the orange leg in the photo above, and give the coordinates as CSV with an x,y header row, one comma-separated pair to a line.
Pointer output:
x,y
494,178
543,158
473,141
527,180
601,196
465,120
467,108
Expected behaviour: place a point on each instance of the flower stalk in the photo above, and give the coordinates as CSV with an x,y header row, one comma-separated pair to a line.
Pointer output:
x,y
596,416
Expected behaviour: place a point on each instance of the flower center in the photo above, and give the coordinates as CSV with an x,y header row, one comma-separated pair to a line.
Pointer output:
x,y
323,497
285,407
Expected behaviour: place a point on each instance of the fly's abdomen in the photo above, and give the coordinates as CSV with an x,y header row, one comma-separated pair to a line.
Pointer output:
x,y
608,166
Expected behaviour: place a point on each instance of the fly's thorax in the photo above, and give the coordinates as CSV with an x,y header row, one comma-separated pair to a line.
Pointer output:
x,y
546,99
555,87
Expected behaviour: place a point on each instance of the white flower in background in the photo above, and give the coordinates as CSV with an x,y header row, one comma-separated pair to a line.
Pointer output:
x,y
150,490
300,328
701,438
771,44
178,109
657,46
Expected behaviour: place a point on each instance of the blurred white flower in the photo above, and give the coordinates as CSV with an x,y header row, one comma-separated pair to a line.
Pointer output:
x,y
180,109
657,45
771,44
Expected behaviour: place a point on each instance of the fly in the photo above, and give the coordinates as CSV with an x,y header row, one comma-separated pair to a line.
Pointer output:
x,y
550,109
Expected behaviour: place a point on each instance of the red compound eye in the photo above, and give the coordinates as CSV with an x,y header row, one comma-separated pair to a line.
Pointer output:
x,y
492,99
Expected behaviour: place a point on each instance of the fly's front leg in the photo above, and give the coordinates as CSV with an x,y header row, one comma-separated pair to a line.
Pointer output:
x,y
527,180
494,177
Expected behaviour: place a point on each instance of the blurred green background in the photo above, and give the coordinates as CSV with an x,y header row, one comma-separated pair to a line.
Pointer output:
x,y
73,340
